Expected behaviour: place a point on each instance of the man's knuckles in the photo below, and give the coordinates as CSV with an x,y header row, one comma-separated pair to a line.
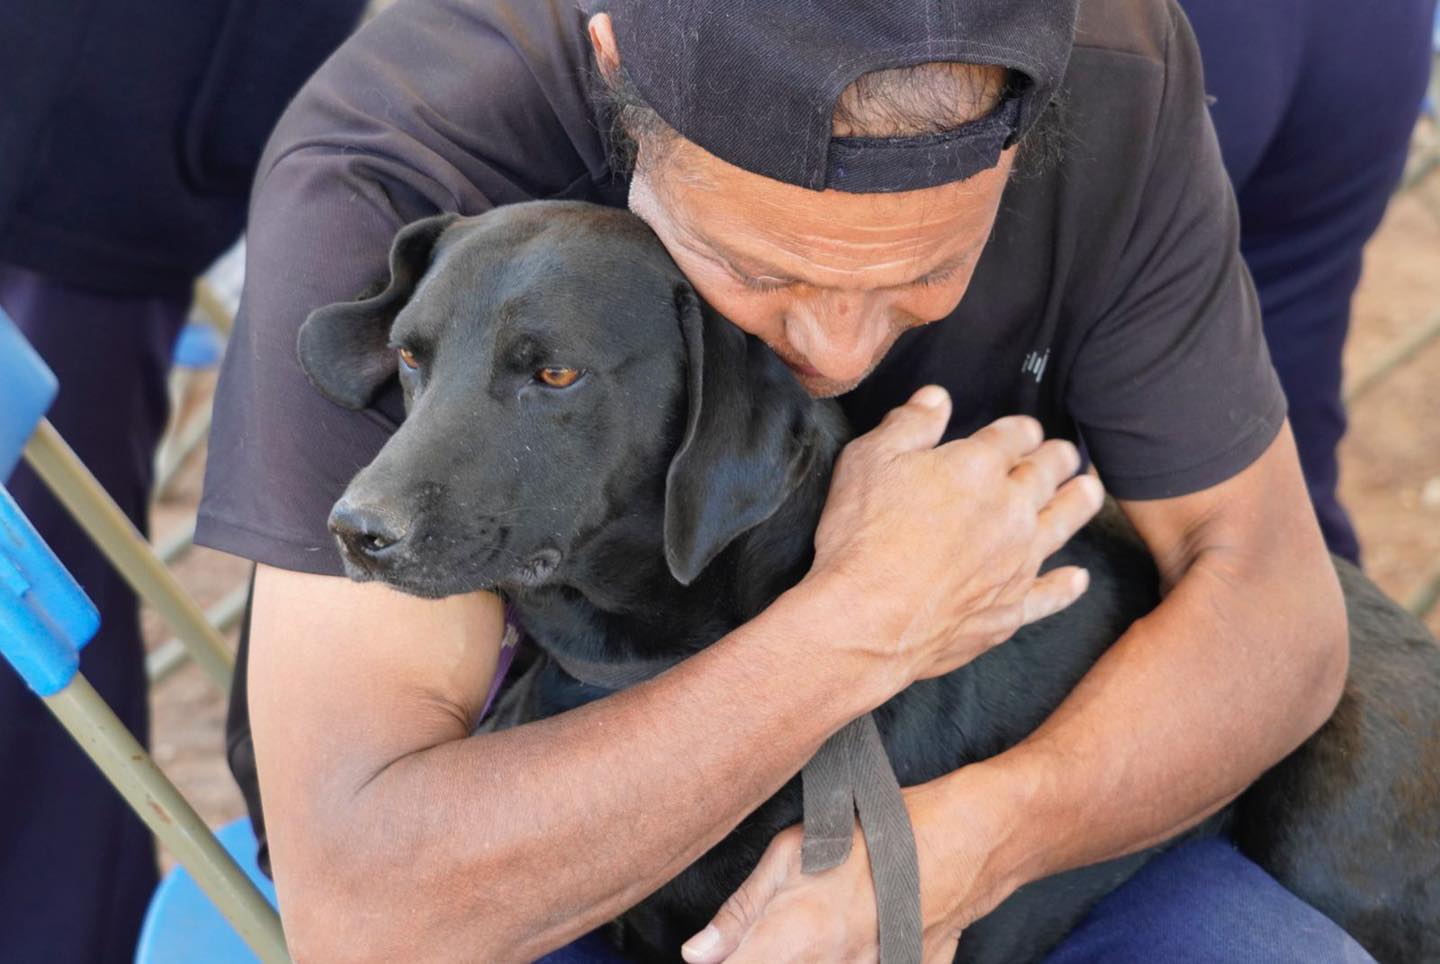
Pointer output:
x,y
1013,436
975,465
909,427
1078,500
1053,462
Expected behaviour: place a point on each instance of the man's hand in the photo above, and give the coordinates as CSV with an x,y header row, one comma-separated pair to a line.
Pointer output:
x,y
781,914
939,547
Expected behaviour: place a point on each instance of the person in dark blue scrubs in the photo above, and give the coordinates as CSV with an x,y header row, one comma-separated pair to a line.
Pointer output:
x,y
131,133
1314,103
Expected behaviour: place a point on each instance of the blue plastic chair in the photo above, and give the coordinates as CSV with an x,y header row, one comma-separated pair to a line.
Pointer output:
x,y
45,621
27,387
183,926
199,348
30,389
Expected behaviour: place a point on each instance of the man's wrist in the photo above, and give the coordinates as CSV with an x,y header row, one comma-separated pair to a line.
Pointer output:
x,y
982,835
834,632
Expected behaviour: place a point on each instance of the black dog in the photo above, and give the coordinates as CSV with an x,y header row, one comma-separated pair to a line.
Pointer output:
x,y
639,478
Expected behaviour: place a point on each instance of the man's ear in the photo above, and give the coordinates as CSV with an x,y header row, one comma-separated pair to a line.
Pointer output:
x,y
602,41
751,435
345,348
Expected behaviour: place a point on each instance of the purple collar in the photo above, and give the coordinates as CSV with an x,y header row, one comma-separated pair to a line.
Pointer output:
x,y
508,644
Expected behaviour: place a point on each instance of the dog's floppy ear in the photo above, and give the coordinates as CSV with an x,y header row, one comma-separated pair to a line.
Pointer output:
x,y
750,438
345,348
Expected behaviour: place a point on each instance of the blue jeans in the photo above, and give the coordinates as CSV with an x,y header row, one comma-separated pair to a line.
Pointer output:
x,y
1205,903
1201,903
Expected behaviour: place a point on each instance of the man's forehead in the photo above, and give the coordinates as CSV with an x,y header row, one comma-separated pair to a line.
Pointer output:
x,y
743,216
840,255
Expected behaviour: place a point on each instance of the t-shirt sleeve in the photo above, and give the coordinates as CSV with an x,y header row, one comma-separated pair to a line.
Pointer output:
x,y
436,105
1172,388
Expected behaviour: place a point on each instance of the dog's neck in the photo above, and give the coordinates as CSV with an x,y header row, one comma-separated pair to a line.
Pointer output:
x,y
618,600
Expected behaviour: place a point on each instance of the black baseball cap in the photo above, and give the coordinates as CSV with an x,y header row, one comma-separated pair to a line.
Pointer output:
x,y
755,82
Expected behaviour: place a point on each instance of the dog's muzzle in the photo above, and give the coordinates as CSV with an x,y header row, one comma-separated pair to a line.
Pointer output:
x,y
369,536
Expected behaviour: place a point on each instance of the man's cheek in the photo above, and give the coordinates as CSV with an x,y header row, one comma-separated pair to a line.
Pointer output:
x,y
929,304
757,313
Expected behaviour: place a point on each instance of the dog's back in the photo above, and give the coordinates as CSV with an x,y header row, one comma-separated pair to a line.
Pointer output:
x,y
1350,822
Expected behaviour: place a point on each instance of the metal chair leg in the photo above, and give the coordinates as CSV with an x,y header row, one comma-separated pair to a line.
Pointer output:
x,y
66,476
170,655
154,798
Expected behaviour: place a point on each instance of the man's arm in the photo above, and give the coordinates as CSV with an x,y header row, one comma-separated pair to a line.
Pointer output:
x,y
395,834
1244,659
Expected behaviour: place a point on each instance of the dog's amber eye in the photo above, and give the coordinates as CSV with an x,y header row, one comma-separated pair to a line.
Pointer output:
x,y
407,358
558,377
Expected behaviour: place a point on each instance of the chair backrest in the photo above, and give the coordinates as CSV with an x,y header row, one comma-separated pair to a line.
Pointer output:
x,y
45,617
27,387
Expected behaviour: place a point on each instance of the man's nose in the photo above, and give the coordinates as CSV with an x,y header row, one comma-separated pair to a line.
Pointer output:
x,y
838,337
368,532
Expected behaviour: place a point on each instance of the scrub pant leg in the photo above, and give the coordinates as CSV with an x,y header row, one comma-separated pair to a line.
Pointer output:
x,y
1314,104
77,868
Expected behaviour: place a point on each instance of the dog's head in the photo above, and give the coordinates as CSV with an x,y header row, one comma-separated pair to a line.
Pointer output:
x,y
561,378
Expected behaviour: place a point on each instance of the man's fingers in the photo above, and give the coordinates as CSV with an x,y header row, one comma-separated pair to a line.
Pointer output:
x,y
723,934
1013,437
798,934
918,424
1054,591
1074,505
739,913
1042,472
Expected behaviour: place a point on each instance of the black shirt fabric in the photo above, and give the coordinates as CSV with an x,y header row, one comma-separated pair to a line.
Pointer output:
x,y
1111,301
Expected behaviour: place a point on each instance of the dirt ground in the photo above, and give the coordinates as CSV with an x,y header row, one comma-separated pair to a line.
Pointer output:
x,y
1390,464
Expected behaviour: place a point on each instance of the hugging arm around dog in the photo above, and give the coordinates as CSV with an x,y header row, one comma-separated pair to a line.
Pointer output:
x,y
1104,297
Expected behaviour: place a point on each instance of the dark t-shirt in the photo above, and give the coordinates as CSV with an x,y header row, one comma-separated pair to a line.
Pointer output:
x,y
1111,302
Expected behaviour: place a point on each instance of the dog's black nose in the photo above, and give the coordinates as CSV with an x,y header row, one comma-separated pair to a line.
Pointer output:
x,y
366,531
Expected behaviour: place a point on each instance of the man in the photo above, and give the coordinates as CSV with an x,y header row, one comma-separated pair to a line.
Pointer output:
x,y
131,135
867,192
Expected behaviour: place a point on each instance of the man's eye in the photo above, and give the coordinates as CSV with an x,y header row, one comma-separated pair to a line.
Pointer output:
x,y
935,278
558,377
408,359
765,285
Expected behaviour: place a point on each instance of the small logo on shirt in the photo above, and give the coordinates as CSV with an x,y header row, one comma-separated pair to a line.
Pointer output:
x,y
1035,363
